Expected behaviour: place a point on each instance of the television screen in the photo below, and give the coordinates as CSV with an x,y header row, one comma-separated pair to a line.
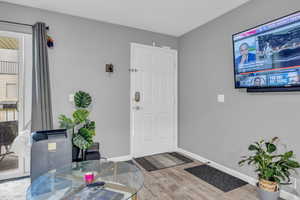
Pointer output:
x,y
268,55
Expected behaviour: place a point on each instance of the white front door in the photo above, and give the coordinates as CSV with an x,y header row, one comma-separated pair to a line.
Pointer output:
x,y
153,100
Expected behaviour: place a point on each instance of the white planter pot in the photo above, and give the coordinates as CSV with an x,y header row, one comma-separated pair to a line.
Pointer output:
x,y
265,195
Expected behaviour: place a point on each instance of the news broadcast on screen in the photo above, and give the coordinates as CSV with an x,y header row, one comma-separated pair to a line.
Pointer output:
x,y
268,55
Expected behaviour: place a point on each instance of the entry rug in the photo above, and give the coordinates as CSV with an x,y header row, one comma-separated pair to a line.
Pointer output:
x,y
217,178
162,161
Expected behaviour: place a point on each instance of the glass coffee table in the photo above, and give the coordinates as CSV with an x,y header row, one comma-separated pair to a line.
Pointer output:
x,y
122,181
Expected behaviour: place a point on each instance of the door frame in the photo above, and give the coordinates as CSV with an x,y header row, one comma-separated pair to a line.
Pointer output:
x,y
132,89
22,170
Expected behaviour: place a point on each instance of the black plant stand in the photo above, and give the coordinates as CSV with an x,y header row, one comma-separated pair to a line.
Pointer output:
x,y
76,154
91,153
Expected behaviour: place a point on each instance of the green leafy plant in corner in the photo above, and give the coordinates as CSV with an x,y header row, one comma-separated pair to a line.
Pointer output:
x,y
83,129
270,165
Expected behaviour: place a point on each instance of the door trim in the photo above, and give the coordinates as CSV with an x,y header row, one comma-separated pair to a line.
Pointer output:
x,y
175,141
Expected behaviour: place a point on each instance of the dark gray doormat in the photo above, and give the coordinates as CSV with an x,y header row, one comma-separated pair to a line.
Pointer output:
x,y
217,178
162,161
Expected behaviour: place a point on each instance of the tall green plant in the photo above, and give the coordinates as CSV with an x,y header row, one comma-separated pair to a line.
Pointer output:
x,y
270,165
83,129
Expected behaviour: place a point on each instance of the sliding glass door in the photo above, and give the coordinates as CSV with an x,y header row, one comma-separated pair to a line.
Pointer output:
x,y
15,103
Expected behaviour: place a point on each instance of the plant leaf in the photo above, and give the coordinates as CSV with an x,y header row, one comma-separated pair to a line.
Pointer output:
x,y
242,162
288,154
82,99
270,147
293,164
80,115
252,147
86,134
80,142
65,122
90,125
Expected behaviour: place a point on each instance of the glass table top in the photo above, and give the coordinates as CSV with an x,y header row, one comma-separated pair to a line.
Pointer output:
x,y
122,181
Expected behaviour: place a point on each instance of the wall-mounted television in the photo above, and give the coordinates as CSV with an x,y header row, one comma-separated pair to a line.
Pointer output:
x,y
268,56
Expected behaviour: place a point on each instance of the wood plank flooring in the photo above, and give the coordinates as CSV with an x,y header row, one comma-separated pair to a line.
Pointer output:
x,y
177,184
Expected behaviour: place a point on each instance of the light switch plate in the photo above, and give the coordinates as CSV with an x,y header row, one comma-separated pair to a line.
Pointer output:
x,y
71,97
221,98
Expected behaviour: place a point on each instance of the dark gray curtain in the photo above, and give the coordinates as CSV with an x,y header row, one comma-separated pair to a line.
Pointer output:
x,y
41,117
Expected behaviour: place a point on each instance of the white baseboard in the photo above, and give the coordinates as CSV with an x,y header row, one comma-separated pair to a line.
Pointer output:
x,y
244,177
120,158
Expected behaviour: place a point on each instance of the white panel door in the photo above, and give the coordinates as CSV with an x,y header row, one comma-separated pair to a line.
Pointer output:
x,y
153,100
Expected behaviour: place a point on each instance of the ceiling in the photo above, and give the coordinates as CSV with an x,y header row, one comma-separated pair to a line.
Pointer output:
x,y
172,17
8,43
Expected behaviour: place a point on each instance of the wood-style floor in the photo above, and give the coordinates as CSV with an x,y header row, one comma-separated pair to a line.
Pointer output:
x,y
177,184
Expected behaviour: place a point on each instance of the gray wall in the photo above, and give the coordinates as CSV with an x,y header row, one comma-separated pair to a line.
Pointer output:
x,y
222,132
82,48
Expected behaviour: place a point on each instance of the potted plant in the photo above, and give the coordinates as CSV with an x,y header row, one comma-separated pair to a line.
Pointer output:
x,y
83,129
273,169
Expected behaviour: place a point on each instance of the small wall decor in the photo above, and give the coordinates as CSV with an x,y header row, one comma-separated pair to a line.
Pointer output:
x,y
50,42
109,68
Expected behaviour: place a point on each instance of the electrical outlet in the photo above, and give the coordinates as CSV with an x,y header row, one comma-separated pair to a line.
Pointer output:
x,y
293,183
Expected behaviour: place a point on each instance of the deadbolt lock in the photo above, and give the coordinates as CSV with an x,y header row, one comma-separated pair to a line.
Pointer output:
x,y
137,96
